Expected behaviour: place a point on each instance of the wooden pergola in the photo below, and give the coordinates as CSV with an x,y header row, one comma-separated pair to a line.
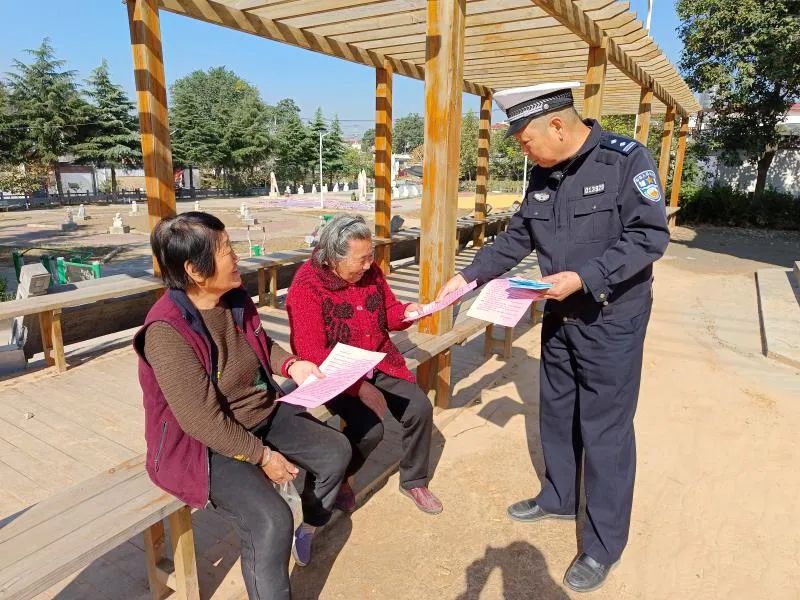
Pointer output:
x,y
454,46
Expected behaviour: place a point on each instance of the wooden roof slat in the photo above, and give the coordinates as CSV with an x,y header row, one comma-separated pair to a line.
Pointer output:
x,y
507,42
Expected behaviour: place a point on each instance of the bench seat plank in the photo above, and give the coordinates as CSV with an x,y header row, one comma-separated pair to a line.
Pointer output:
x,y
68,531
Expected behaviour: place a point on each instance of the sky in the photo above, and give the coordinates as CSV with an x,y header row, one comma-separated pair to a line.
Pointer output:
x,y
84,32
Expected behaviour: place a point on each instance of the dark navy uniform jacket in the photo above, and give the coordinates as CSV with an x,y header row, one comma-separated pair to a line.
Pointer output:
x,y
600,214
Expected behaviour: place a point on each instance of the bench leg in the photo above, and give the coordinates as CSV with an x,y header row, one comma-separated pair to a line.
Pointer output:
x,y
154,542
47,342
273,287
262,286
58,340
488,340
180,527
442,366
507,342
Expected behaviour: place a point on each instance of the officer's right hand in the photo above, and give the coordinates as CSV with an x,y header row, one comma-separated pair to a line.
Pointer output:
x,y
451,286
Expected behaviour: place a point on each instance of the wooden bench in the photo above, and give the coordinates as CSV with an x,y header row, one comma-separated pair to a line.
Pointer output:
x,y
672,215
65,533
49,308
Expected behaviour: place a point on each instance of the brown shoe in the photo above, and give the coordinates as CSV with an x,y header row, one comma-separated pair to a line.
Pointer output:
x,y
424,499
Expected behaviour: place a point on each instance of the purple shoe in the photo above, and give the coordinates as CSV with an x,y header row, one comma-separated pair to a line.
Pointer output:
x,y
346,500
424,499
301,548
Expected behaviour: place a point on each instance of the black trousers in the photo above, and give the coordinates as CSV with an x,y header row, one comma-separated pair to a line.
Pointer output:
x,y
413,410
589,386
243,493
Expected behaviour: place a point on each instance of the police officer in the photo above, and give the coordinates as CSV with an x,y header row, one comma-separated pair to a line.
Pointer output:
x,y
593,211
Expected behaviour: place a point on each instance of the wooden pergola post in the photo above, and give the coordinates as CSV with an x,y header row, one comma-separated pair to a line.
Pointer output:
x,y
677,175
444,68
643,121
666,145
383,164
482,171
151,94
595,81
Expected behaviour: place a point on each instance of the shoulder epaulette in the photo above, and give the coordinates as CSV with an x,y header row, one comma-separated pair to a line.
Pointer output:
x,y
620,143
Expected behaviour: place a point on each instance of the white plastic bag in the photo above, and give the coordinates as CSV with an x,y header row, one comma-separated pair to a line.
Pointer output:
x,y
289,493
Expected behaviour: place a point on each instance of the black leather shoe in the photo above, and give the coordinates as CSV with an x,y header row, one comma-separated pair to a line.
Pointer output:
x,y
527,511
585,574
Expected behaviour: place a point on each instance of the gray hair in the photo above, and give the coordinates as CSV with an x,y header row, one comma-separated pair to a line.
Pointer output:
x,y
334,241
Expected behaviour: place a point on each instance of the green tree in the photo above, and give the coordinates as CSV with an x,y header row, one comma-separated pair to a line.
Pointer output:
x,y
219,121
333,148
506,160
293,145
407,133
45,111
368,140
745,54
469,146
113,131
354,160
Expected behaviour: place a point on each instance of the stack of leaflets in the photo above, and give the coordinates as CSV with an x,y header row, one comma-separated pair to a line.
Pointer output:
x,y
528,284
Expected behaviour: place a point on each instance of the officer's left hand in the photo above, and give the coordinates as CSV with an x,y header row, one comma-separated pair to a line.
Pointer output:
x,y
565,284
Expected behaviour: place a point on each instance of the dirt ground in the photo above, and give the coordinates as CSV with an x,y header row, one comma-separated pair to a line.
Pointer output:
x,y
717,488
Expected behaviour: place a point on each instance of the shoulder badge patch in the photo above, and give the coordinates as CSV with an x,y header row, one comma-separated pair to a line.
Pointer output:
x,y
542,196
620,144
647,184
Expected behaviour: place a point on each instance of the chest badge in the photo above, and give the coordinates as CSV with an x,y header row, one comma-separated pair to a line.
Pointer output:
x,y
591,190
541,196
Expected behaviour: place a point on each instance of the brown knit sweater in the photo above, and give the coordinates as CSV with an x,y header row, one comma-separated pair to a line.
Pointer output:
x,y
218,416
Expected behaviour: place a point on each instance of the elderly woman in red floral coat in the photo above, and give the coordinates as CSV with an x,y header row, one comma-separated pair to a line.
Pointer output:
x,y
341,295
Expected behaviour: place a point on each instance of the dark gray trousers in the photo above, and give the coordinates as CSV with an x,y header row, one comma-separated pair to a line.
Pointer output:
x,y
243,493
413,410
589,386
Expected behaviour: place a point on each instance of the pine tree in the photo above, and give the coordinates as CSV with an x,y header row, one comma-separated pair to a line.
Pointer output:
x,y
113,131
333,151
46,112
293,146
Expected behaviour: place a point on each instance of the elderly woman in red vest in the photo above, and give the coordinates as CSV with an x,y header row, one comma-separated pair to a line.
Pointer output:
x,y
215,433
341,295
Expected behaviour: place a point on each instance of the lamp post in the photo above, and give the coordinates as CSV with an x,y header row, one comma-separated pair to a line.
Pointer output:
x,y
321,192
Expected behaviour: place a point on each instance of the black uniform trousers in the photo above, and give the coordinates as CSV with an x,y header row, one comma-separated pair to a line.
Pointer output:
x,y
589,385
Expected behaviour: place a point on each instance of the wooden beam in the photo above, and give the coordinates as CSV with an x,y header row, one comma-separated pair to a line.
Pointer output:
x,y
444,67
666,145
643,121
482,171
595,81
677,175
383,163
151,94
218,13
577,19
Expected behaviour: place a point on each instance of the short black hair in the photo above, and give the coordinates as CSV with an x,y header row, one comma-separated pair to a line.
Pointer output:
x,y
192,236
